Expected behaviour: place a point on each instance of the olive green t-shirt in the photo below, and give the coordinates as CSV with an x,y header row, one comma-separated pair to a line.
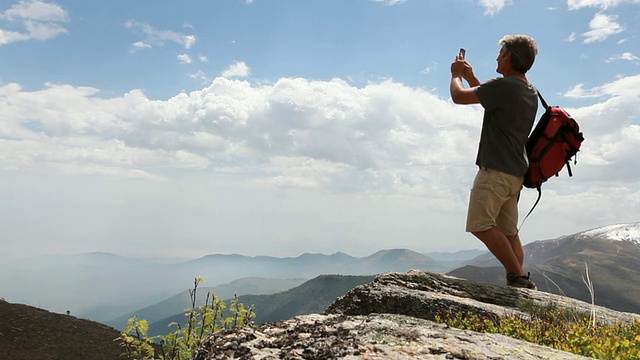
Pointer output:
x,y
510,107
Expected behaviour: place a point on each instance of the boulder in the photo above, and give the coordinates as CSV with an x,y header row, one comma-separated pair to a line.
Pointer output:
x,y
393,317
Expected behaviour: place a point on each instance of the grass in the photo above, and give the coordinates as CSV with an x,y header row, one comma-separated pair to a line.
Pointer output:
x,y
564,329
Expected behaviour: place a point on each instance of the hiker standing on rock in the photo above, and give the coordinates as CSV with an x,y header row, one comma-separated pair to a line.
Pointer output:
x,y
510,104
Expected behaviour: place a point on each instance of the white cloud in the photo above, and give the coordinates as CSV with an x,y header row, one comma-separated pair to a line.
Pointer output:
x,y
141,45
602,26
390,2
492,7
185,59
578,92
383,136
189,40
35,10
431,68
38,20
627,56
603,4
612,130
238,69
203,58
199,75
369,162
158,37
311,132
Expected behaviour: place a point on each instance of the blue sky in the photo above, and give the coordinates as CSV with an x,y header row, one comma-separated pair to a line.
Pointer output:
x,y
274,127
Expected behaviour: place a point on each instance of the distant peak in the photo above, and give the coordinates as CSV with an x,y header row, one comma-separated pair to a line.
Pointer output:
x,y
618,232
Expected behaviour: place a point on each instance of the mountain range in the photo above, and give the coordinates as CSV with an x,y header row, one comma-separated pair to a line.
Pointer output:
x,y
607,257
103,286
110,288
311,297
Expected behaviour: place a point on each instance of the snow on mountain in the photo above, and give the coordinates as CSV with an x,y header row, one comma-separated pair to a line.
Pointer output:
x,y
619,232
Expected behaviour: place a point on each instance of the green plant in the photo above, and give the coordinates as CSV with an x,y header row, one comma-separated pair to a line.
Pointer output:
x,y
202,322
135,340
559,328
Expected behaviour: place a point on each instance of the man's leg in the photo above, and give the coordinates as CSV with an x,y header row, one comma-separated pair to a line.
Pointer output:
x,y
487,220
500,246
516,247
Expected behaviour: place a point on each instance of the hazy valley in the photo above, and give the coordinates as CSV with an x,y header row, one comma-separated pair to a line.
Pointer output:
x,y
102,286
111,288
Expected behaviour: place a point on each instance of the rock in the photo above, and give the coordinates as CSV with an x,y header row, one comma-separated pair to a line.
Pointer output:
x,y
376,336
393,318
425,295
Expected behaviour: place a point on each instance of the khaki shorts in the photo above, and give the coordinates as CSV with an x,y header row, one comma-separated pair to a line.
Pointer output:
x,y
494,202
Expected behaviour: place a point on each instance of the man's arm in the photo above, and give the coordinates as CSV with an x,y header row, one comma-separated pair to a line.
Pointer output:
x,y
462,95
459,94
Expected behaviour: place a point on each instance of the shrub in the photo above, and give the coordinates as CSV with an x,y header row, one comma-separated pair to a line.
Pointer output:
x,y
560,329
202,322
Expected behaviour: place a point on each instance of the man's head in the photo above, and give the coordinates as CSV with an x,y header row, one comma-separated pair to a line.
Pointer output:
x,y
520,50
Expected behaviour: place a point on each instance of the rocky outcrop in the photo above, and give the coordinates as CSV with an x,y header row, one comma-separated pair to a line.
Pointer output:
x,y
393,318
425,295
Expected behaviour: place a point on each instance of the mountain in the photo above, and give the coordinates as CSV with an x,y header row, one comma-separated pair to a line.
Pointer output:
x,y
395,260
610,254
455,257
312,296
394,316
30,333
176,304
103,286
452,260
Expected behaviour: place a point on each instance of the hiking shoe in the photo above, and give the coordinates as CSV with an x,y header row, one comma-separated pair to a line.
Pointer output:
x,y
521,281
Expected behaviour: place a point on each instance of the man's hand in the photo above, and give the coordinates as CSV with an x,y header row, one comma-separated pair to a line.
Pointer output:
x,y
469,75
458,67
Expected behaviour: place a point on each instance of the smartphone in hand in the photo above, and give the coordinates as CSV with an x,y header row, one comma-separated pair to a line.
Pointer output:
x,y
463,52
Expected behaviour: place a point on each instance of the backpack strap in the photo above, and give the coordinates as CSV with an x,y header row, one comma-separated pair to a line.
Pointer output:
x,y
539,188
533,207
544,103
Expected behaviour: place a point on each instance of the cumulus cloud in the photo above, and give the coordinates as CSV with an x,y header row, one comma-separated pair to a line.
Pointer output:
x,y
295,132
602,26
492,7
32,20
185,59
341,146
603,4
383,138
612,129
238,69
156,37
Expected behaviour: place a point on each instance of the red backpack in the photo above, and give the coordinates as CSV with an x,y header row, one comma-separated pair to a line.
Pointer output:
x,y
552,143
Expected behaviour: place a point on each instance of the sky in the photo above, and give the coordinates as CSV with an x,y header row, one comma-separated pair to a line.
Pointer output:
x,y
281,127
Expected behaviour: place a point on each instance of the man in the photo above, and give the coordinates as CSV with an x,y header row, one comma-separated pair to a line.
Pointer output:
x,y
510,104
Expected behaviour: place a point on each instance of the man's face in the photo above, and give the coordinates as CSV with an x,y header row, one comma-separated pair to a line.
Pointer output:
x,y
503,59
